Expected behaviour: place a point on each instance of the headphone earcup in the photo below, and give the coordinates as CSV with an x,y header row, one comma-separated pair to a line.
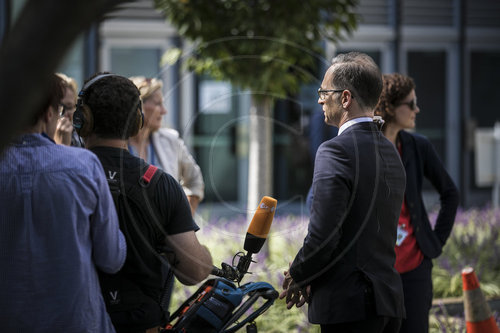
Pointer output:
x,y
138,123
141,119
88,121
78,118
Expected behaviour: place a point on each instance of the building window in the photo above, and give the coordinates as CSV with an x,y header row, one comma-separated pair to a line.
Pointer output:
x,y
433,13
217,139
484,88
72,64
132,61
428,70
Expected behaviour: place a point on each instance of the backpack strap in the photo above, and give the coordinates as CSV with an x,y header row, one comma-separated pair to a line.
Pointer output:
x,y
148,180
148,176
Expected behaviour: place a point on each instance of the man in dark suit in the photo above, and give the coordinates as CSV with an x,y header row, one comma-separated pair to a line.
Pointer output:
x,y
345,268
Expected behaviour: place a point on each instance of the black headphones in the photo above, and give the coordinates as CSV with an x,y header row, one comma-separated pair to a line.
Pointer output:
x,y
83,120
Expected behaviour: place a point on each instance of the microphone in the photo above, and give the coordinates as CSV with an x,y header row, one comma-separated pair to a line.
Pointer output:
x,y
254,240
260,225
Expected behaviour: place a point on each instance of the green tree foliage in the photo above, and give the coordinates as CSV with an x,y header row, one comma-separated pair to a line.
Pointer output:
x,y
269,47
266,46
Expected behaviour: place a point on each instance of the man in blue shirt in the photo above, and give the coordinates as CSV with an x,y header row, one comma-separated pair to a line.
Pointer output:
x,y
57,224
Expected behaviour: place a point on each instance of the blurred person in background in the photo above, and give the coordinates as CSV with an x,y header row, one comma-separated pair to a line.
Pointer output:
x,y
65,133
163,147
417,243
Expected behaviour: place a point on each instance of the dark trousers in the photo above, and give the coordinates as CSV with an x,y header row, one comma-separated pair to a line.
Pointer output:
x,y
417,288
372,325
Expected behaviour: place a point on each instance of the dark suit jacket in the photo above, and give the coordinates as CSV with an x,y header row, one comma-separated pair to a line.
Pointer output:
x,y
421,160
358,186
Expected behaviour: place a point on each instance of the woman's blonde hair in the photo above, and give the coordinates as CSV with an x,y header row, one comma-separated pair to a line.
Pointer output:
x,y
147,86
69,82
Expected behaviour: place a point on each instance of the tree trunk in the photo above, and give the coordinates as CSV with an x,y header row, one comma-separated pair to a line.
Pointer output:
x,y
33,49
260,159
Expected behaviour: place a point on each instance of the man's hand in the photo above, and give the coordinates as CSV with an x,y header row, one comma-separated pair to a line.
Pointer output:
x,y
295,295
64,131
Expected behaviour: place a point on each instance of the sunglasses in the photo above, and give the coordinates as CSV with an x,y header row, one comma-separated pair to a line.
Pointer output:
x,y
411,104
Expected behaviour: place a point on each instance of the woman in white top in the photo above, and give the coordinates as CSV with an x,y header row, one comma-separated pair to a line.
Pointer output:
x,y
163,147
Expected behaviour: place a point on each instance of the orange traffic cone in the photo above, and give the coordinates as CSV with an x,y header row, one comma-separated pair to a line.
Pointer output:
x,y
477,311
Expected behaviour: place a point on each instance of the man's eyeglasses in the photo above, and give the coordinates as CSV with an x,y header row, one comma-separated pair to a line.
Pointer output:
x,y
323,93
61,109
411,104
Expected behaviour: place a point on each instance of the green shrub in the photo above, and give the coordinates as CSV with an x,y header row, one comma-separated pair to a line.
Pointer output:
x,y
474,241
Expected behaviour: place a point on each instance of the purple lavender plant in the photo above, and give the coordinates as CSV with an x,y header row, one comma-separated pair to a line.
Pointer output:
x,y
474,242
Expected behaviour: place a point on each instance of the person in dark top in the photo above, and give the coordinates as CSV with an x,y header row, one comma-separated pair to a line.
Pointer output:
x,y
108,113
346,264
417,241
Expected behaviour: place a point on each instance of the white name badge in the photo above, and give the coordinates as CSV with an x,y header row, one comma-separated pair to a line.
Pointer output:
x,y
401,235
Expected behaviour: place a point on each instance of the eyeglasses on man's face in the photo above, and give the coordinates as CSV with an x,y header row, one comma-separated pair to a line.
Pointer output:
x,y
411,104
323,93
62,109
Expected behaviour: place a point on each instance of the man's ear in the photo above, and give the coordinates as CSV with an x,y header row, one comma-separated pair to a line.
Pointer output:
x,y
346,99
47,116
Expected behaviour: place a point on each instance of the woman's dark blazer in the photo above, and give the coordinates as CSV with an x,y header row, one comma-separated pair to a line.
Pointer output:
x,y
421,160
